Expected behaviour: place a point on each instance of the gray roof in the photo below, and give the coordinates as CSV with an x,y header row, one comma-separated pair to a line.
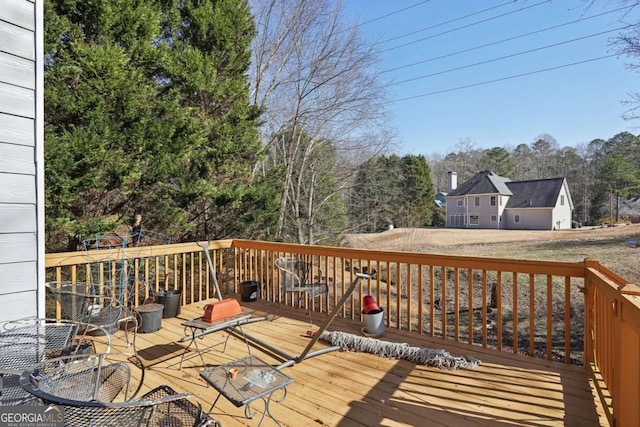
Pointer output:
x,y
538,193
485,182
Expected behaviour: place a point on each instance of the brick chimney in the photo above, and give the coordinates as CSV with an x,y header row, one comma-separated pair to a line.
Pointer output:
x,y
452,182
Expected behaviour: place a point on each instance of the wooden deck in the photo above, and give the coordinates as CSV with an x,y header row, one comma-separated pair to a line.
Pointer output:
x,y
358,389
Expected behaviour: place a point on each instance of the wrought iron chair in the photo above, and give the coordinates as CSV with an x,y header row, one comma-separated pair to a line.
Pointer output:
x,y
297,277
114,263
81,302
25,342
97,391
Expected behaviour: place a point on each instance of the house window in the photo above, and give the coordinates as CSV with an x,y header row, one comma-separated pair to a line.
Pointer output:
x,y
460,202
516,218
494,218
477,201
493,200
500,200
457,220
562,200
473,219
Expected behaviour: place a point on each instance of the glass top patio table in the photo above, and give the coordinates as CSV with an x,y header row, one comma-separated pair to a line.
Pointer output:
x,y
198,328
245,380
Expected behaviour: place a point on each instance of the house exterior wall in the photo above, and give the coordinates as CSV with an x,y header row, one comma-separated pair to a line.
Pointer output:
x,y
21,160
530,219
562,212
464,216
503,200
456,214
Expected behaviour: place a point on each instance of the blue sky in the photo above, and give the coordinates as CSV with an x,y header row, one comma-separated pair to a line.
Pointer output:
x,y
574,104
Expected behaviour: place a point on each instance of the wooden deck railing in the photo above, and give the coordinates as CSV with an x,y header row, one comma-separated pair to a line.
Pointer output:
x,y
612,352
520,306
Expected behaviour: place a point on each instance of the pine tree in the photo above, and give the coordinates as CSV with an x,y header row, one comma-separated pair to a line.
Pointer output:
x,y
394,191
147,112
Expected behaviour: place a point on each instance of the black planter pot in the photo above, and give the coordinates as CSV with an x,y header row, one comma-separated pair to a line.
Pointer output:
x,y
249,291
150,316
171,302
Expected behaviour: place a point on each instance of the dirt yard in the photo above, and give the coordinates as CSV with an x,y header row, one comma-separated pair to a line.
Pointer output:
x,y
416,239
606,244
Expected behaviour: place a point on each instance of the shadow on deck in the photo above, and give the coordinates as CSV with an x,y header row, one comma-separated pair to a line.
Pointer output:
x,y
359,389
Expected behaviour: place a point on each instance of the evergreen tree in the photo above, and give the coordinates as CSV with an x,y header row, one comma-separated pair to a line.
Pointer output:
x,y
147,112
392,191
616,165
206,55
417,196
499,160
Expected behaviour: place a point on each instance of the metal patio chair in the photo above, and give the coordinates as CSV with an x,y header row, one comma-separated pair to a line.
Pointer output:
x,y
81,302
25,342
114,263
297,277
97,391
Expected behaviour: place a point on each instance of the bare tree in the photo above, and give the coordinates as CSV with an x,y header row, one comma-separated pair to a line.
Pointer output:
x,y
544,149
523,157
626,44
315,79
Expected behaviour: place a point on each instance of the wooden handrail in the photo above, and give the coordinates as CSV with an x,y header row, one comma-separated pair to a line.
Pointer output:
x,y
520,306
613,351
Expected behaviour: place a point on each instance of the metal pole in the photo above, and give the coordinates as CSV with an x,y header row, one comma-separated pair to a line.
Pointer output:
x,y
334,313
265,344
205,248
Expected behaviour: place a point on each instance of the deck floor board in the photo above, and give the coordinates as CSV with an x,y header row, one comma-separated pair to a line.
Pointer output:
x,y
359,389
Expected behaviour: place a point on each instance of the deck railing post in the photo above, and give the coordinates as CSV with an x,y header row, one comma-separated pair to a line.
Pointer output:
x,y
589,313
628,368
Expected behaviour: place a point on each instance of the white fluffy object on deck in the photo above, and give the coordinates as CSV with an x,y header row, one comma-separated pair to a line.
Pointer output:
x,y
425,356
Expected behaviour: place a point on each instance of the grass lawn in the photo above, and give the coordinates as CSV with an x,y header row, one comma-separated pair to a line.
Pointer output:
x,y
608,245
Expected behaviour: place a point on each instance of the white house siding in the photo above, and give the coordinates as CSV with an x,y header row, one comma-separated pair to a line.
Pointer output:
x,y
562,212
530,219
21,159
456,215
484,211
502,217
487,211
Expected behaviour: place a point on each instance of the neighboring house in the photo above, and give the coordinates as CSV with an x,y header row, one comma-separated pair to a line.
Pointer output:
x,y
21,159
488,200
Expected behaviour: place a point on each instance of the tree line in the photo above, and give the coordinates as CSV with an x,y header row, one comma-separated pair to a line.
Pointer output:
x,y
206,118
261,119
